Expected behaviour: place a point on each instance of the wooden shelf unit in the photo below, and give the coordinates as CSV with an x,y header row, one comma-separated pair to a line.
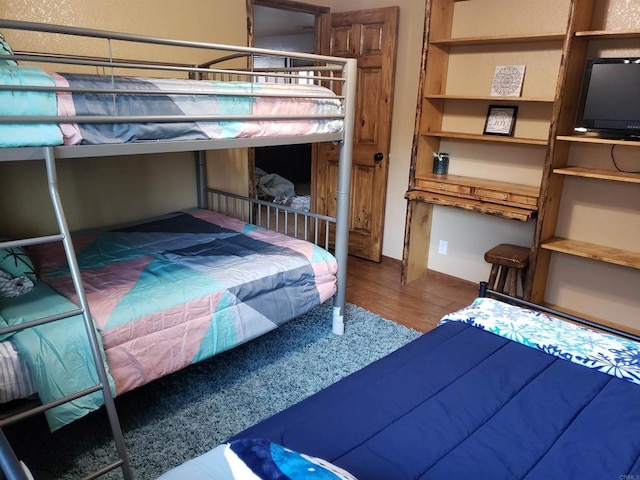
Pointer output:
x,y
585,206
451,49
577,156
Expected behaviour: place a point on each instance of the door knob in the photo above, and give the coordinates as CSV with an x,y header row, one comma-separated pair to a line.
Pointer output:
x,y
377,157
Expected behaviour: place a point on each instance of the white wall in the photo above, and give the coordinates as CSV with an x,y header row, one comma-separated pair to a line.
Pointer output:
x,y
470,234
291,43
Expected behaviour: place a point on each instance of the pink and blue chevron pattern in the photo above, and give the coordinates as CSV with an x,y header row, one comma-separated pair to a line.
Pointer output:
x,y
179,289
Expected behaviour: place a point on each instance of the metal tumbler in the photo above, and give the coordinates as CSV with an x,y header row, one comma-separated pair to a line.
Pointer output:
x,y
440,163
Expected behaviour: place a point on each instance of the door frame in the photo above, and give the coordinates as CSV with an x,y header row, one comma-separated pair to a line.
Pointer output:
x,y
322,14
322,45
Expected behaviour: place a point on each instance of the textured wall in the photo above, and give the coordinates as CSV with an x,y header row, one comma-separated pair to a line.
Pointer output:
x,y
112,190
221,21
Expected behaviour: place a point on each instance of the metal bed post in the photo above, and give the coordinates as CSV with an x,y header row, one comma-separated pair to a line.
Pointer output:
x,y
201,178
201,165
343,196
10,467
109,404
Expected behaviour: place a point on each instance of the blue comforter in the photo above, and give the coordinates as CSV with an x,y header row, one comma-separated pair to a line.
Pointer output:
x,y
461,402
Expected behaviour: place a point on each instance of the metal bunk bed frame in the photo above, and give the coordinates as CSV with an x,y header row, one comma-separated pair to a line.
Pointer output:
x,y
347,69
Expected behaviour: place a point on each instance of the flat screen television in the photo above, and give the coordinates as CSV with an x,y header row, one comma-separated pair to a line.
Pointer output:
x,y
610,98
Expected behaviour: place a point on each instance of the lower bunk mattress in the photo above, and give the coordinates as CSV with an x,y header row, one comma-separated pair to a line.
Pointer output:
x,y
163,294
494,392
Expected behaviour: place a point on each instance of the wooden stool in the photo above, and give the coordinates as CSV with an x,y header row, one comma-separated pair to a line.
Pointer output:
x,y
508,261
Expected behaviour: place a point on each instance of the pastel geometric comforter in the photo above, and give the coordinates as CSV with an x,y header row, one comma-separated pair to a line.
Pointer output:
x,y
246,110
177,290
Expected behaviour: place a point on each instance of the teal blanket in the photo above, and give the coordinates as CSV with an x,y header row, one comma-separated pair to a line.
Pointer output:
x,y
60,359
27,103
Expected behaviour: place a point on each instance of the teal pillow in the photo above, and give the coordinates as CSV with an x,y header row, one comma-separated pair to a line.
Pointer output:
x,y
5,49
16,262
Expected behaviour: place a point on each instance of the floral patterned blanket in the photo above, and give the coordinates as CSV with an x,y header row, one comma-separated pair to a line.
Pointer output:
x,y
605,352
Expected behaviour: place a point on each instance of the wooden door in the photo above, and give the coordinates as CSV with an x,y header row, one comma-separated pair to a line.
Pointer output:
x,y
369,36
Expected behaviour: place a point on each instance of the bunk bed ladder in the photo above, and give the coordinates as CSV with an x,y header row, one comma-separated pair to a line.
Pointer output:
x,y
8,461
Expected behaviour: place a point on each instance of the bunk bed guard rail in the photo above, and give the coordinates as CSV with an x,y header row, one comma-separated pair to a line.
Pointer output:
x,y
327,81
222,63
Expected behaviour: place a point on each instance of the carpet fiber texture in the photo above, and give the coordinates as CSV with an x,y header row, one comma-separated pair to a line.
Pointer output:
x,y
190,412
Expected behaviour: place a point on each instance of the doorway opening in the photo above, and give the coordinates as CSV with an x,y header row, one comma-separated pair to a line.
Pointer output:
x,y
292,31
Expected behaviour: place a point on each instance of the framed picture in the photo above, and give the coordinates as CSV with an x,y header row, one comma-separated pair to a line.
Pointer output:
x,y
500,120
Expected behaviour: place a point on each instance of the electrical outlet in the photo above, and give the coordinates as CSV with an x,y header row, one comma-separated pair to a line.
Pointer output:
x,y
442,247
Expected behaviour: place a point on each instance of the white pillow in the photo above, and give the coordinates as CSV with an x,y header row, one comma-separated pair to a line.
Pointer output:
x,y
256,459
11,286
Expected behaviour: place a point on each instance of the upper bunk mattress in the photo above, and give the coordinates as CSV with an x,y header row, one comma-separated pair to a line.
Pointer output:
x,y
166,98
182,288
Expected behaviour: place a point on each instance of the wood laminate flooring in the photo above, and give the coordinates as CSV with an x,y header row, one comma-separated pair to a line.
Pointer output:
x,y
420,304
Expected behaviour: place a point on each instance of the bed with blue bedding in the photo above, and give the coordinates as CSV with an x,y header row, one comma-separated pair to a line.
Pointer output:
x,y
496,391
163,294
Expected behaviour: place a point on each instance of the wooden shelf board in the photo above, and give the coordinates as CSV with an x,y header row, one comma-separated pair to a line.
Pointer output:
x,y
489,98
599,174
594,319
622,34
616,256
487,138
499,39
498,210
597,140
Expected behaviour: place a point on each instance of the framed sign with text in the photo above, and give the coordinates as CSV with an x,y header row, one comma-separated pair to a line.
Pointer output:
x,y
500,120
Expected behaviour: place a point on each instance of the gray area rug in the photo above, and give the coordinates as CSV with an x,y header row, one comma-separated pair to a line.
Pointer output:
x,y
188,413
